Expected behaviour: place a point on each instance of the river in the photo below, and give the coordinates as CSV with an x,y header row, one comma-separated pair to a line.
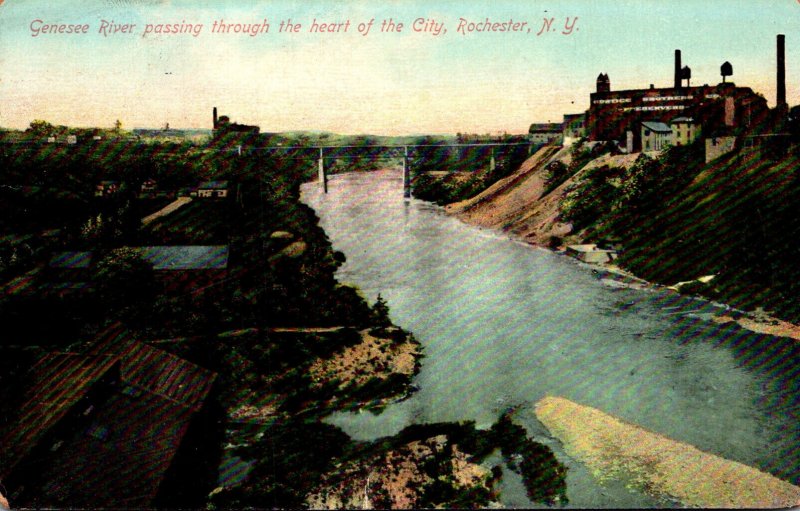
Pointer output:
x,y
505,324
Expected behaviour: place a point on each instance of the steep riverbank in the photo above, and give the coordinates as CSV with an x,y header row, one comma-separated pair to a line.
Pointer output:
x,y
525,204
622,198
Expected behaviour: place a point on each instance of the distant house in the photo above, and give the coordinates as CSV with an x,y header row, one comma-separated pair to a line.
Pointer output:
x,y
544,132
656,136
223,125
574,127
684,130
106,188
188,267
186,257
718,146
149,186
113,429
211,189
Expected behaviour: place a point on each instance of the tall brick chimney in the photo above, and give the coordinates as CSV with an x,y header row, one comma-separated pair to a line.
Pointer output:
x,y
781,94
215,117
677,69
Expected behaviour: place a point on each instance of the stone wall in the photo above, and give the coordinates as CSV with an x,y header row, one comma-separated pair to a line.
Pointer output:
x,y
717,146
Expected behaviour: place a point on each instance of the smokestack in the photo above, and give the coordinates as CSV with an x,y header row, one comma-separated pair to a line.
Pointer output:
x,y
215,117
677,69
781,96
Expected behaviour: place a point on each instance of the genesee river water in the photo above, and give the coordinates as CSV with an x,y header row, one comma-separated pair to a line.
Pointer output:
x,y
505,324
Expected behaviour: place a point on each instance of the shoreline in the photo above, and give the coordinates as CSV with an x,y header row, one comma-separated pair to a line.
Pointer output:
x,y
659,465
756,321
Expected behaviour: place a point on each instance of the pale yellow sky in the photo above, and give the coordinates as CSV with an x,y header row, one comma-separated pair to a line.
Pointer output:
x,y
383,83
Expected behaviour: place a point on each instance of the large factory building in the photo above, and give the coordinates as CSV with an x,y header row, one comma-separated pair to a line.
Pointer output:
x,y
627,116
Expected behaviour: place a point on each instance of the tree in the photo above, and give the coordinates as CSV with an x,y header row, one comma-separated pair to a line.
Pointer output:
x,y
381,309
126,283
41,128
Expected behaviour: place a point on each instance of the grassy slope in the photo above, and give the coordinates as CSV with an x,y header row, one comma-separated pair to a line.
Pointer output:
x,y
677,218
738,219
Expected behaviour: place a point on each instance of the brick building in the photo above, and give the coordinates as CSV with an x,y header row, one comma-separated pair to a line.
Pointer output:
x,y
717,110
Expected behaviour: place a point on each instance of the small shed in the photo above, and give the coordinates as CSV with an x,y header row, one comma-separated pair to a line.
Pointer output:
x,y
106,188
656,136
685,130
211,189
590,253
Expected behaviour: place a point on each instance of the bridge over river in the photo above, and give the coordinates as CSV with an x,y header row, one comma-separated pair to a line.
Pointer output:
x,y
412,157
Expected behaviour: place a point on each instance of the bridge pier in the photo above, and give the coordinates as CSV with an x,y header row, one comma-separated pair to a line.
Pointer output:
x,y
323,176
492,162
406,174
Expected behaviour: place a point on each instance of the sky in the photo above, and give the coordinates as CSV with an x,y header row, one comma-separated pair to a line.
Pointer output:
x,y
389,83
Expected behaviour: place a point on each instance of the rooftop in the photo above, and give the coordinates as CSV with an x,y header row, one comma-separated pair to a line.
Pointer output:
x,y
120,459
186,257
60,380
216,185
545,127
118,453
166,375
71,260
658,127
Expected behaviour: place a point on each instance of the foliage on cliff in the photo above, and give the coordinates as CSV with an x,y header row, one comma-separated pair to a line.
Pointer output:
x,y
678,218
468,171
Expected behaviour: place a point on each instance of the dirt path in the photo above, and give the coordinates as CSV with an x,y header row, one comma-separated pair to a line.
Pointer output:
x,y
659,465
166,210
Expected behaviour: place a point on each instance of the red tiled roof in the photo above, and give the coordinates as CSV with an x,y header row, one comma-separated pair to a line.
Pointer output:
x,y
165,374
60,380
132,437
155,370
121,459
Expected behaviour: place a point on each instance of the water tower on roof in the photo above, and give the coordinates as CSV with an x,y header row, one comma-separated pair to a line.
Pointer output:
x,y
726,70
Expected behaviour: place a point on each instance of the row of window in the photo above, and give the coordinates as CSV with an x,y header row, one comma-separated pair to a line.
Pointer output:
x,y
651,99
652,108
667,98
612,100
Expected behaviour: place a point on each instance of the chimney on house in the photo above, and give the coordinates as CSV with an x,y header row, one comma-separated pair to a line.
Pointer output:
x,y
678,69
781,94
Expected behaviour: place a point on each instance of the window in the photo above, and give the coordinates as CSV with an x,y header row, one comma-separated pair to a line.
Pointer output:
x,y
98,431
131,391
